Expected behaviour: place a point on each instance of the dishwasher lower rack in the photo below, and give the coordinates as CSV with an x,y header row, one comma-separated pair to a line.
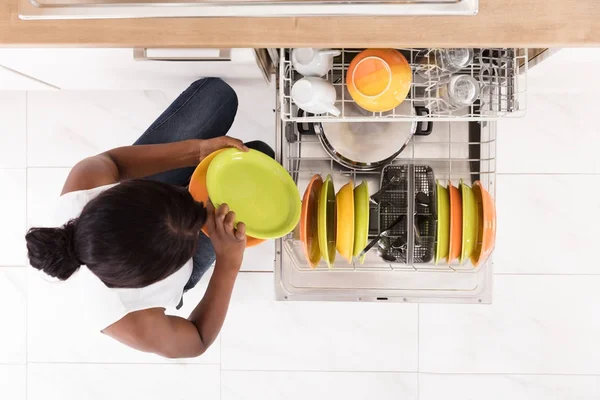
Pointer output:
x,y
501,73
455,151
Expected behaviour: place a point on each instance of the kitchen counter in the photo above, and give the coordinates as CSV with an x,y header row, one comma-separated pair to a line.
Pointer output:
x,y
527,23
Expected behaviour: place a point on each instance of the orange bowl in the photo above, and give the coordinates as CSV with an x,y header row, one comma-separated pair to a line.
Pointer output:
x,y
379,79
197,189
455,223
486,231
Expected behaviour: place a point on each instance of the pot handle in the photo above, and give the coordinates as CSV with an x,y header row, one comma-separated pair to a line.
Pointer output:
x,y
423,111
310,126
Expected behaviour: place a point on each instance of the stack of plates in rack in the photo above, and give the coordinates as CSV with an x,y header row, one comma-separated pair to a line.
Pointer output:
x,y
329,221
455,224
466,223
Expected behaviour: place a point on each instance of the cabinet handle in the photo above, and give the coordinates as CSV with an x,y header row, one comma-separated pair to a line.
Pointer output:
x,y
181,54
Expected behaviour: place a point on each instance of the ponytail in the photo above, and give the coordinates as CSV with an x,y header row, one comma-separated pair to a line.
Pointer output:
x,y
52,250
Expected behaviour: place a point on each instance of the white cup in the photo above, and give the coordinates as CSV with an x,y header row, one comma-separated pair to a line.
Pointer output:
x,y
313,62
315,95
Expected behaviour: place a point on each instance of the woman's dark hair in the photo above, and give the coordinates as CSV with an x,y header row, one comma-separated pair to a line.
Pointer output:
x,y
130,236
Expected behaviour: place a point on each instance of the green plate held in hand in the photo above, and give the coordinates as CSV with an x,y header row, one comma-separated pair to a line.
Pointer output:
x,y
258,189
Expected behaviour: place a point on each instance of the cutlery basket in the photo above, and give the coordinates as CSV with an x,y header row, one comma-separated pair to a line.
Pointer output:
x,y
413,196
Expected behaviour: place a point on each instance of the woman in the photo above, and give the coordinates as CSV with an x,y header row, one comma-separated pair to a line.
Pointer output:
x,y
134,246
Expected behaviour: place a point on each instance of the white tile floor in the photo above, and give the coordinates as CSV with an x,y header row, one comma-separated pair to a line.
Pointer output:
x,y
538,340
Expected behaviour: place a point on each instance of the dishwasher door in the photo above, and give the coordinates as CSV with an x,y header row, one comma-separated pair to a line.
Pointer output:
x,y
462,146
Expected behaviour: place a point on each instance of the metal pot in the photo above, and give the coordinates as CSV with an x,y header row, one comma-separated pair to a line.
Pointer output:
x,y
367,145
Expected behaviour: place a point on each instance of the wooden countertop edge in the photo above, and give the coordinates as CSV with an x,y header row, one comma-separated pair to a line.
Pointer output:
x,y
500,23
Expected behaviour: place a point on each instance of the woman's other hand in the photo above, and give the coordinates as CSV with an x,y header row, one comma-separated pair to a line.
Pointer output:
x,y
208,146
228,241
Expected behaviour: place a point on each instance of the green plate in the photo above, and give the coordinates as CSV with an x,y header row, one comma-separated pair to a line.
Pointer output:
x,y
361,218
470,222
326,222
443,227
258,189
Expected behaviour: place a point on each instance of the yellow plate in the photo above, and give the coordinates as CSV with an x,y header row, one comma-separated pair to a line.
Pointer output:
x,y
344,203
470,222
361,218
326,222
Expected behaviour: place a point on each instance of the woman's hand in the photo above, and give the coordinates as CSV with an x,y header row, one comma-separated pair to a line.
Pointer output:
x,y
229,243
208,146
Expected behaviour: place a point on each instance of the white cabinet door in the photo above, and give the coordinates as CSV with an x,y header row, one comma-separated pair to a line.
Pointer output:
x,y
13,80
119,69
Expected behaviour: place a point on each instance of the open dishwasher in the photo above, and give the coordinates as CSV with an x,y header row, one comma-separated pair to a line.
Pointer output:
x,y
461,145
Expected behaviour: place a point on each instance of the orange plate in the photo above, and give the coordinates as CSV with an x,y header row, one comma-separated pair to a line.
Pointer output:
x,y
486,232
455,223
309,221
197,188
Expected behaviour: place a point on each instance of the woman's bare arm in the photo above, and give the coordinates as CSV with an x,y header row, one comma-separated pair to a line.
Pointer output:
x,y
174,337
153,331
131,162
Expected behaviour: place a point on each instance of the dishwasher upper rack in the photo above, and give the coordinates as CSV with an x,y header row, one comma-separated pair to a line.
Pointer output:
x,y
500,71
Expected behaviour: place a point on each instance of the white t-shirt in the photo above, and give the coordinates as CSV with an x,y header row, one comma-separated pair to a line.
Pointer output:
x,y
106,305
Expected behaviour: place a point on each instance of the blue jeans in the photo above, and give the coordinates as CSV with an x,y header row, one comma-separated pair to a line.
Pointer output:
x,y
205,110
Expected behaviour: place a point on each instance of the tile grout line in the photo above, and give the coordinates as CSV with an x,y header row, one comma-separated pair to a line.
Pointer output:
x,y
166,364
26,224
506,374
174,363
323,371
13,168
221,364
49,167
418,351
